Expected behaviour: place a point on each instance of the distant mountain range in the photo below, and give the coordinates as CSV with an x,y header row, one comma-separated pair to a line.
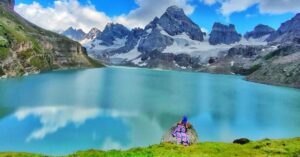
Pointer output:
x,y
174,41
26,48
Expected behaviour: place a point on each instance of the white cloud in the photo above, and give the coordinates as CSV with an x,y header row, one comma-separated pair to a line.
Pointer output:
x,y
265,6
230,6
63,14
66,13
53,118
209,2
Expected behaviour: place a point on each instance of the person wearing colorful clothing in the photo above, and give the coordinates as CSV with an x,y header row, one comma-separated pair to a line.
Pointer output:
x,y
180,132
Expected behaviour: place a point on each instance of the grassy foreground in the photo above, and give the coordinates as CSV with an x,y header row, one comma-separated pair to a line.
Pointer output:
x,y
263,148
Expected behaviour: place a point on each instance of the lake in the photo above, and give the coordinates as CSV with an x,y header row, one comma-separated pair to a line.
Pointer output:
x,y
119,108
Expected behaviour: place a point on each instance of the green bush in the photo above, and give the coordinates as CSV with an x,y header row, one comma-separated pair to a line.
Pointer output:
x,y
4,53
38,62
3,42
25,54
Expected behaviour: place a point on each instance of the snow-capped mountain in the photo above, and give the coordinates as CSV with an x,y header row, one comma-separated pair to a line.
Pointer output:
x,y
171,34
74,34
173,41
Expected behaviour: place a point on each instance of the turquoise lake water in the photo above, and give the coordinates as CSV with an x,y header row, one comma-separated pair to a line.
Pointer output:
x,y
119,108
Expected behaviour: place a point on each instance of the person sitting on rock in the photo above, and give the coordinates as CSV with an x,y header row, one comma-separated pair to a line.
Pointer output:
x,y
180,132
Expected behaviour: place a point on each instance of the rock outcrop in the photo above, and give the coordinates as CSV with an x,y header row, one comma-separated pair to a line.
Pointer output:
x,y
244,51
241,141
92,34
223,34
259,31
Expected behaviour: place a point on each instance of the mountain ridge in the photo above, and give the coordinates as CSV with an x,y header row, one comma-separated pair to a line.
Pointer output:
x,y
167,42
26,48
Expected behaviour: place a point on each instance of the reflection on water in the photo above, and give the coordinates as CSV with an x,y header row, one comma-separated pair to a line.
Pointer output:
x,y
117,108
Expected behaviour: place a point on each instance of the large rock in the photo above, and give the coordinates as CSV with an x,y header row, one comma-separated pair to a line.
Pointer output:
x,y
241,141
259,31
223,34
174,22
191,132
74,34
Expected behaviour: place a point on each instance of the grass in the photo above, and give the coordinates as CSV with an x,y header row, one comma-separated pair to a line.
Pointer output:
x,y
263,148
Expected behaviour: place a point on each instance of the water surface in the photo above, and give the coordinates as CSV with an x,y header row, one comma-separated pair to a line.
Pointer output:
x,y
118,108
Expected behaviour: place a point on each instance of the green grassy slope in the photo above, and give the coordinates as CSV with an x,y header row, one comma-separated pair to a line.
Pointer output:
x,y
27,48
264,148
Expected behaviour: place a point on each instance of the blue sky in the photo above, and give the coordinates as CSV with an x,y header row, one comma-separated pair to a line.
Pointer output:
x,y
202,12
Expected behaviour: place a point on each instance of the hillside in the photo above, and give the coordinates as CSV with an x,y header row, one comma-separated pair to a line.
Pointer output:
x,y
26,48
284,147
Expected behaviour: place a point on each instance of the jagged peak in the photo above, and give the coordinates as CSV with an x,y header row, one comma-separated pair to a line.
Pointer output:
x,y
94,29
111,25
220,27
174,8
72,29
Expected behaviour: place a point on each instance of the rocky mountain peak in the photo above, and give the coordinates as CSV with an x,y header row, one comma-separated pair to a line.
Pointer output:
x,y
74,34
93,33
10,4
259,31
223,34
175,10
175,22
113,31
288,31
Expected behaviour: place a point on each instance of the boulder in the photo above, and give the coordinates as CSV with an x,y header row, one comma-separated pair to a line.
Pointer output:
x,y
193,136
241,141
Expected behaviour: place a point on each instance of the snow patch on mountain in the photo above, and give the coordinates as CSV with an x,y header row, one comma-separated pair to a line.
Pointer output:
x,y
131,55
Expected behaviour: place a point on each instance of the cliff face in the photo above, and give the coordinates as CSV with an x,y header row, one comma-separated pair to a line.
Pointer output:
x,y
27,48
223,34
